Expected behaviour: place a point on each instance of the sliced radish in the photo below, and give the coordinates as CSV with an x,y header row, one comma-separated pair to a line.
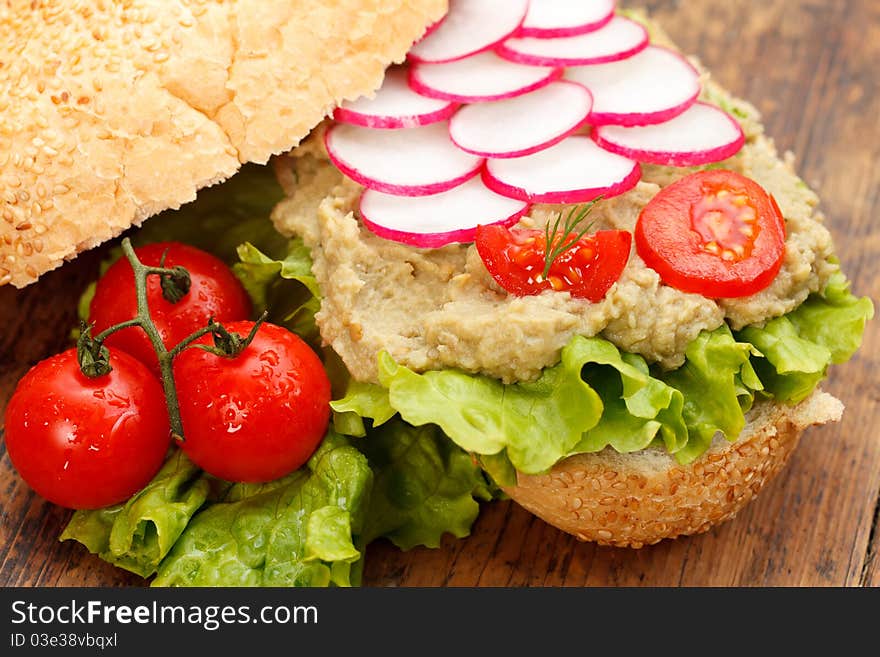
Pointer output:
x,y
652,87
522,125
480,78
396,105
471,26
412,162
430,222
619,39
701,135
573,171
562,18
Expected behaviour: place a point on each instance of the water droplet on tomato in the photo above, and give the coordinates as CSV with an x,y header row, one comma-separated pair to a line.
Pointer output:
x,y
271,357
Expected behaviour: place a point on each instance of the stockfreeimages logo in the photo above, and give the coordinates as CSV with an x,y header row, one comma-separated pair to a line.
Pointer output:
x,y
209,617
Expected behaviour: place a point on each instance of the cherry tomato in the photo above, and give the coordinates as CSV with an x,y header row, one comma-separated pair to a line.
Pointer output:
x,y
714,233
215,292
87,443
515,258
255,417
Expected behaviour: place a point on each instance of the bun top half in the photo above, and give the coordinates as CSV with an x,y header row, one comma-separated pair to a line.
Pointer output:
x,y
114,110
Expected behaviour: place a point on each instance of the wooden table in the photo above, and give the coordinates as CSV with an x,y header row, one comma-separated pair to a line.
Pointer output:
x,y
811,67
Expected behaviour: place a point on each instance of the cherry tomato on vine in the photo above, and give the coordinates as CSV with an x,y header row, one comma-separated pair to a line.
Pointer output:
x,y
715,233
515,257
215,292
257,416
86,443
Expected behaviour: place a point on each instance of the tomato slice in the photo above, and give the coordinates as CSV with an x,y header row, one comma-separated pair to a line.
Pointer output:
x,y
714,233
515,259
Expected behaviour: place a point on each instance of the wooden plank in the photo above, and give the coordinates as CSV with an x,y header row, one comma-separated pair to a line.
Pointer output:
x,y
810,66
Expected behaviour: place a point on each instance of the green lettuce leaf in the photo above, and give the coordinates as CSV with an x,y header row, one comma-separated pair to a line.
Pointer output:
x,y
713,380
138,534
637,407
361,400
790,366
797,349
284,286
425,486
834,319
302,530
597,397
535,423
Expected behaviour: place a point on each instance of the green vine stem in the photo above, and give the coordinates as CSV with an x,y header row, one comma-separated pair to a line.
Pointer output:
x,y
94,357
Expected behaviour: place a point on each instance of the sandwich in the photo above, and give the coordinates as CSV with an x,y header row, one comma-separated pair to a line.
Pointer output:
x,y
542,255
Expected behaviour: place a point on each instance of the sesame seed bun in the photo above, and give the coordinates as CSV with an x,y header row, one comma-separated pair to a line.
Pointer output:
x,y
633,500
111,112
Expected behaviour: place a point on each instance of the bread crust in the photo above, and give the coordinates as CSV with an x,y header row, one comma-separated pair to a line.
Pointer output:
x,y
633,500
113,111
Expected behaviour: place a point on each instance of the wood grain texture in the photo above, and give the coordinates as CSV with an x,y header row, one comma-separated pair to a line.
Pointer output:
x,y
810,66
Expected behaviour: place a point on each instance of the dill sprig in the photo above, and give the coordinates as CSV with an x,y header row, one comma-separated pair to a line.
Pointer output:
x,y
564,234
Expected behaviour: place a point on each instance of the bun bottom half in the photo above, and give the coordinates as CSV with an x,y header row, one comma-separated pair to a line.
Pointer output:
x,y
634,500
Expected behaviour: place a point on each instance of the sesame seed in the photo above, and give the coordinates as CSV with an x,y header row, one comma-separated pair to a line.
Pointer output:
x,y
604,534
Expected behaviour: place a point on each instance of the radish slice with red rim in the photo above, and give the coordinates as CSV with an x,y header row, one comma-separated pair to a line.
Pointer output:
x,y
470,27
619,39
702,135
430,222
562,18
652,87
395,105
412,162
573,171
522,125
479,78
